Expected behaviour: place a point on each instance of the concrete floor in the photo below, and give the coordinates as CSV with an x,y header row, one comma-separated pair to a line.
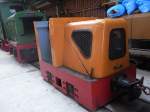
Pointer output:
x,y
22,89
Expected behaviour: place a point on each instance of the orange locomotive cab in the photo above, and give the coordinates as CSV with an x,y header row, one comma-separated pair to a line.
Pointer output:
x,y
56,35
96,47
87,59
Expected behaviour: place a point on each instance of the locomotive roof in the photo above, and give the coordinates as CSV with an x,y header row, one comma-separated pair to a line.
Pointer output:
x,y
88,22
25,14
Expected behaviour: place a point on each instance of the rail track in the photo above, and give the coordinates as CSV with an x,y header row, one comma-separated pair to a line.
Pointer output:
x,y
36,65
138,105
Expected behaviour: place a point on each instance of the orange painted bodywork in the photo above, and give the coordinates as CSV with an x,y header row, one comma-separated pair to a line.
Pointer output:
x,y
66,53
57,32
37,42
99,63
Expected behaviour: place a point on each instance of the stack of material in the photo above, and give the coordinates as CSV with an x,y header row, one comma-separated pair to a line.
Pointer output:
x,y
139,26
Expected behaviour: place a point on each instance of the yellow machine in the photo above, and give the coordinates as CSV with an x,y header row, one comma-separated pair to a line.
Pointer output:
x,y
95,47
57,36
104,54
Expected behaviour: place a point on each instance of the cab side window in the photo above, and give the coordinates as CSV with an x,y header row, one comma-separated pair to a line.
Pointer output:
x,y
83,39
117,43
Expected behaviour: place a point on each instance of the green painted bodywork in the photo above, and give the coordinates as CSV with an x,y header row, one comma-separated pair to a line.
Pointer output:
x,y
4,14
20,26
1,33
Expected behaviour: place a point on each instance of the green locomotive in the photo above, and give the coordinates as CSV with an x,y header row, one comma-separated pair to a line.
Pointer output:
x,y
6,10
21,37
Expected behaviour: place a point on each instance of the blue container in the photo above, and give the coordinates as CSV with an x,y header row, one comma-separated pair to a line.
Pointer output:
x,y
44,42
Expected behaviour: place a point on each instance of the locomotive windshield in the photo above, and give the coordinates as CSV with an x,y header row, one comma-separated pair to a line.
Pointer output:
x,y
117,43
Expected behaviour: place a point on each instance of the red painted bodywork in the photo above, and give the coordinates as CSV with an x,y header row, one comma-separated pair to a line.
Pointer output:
x,y
90,93
5,45
20,47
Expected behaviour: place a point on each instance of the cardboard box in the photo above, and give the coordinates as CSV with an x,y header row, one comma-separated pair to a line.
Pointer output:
x,y
139,26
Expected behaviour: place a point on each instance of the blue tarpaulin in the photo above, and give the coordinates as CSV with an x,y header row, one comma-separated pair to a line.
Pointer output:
x,y
128,6
144,5
116,11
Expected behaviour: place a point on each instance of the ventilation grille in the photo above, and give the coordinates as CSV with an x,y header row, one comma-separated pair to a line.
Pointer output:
x,y
83,39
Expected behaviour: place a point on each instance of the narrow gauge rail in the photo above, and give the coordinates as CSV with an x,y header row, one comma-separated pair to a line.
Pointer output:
x,y
35,64
138,105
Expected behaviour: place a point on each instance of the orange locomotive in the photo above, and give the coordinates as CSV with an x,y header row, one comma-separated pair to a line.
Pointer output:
x,y
87,59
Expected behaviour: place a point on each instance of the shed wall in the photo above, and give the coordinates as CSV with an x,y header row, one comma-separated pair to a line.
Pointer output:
x,y
85,8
